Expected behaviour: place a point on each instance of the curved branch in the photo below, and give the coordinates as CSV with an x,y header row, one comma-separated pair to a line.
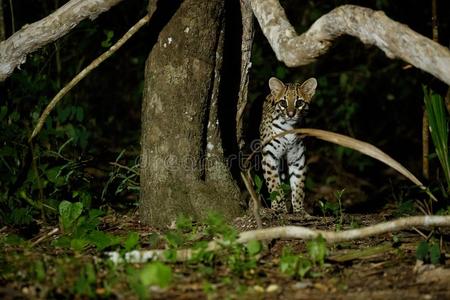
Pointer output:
x,y
371,27
14,50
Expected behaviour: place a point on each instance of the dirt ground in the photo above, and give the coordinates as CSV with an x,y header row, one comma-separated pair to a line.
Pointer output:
x,y
390,272
372,268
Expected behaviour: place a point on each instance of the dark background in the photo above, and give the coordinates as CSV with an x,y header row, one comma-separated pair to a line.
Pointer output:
x,y
361,93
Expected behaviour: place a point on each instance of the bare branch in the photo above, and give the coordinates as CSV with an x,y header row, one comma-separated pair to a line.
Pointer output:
x,y
293,232
298,232
14,50
371,27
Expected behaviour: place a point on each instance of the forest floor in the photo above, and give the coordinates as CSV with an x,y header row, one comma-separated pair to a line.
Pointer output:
x,y
381,267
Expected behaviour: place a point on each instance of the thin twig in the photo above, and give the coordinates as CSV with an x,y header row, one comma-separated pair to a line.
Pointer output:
x,y
255,199
45,236
85,72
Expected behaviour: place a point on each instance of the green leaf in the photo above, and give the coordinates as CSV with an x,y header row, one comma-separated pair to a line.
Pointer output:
x,y
435,254
79,114
54,176
273,195
253,247
85,283
218,227
3,112
153,239
69,213
79,244
289,262
304,266
102,240
132,241
63,114
422,251
156,273
39,270
286,188
184,223
174,239
107,42
317,250
258,183
439,131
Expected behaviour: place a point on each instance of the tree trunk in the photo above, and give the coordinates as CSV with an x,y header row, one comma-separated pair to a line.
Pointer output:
x,y
183,170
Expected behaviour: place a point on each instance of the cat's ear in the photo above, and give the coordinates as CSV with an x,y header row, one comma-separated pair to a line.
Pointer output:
x,y
276,85
309,88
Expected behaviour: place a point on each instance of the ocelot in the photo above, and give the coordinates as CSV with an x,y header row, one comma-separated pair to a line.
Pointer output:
x,y
283,109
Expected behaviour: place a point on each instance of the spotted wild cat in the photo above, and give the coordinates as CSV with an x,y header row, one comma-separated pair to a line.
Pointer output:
x,y
283,110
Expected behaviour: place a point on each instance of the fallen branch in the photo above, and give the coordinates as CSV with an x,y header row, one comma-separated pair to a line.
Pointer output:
x,y
85,72
371,27
291,232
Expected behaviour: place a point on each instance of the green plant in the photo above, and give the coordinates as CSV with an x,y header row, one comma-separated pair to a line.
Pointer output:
x,y
122,178
293,265
81,231
156,273
300,266
284,188
334,208
438,125
86,281
317,250
429,252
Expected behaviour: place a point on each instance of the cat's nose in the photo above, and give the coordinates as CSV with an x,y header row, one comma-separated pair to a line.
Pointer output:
x,y
290,113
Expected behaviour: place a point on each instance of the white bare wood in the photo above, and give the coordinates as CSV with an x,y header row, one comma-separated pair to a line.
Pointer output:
x,y
371,27
14,50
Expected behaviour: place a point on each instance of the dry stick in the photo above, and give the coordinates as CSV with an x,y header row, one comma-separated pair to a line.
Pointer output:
x,y
85,72
255,199
291,232
45,236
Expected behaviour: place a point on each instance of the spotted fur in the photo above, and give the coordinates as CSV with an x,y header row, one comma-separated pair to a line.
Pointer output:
x,y
283,110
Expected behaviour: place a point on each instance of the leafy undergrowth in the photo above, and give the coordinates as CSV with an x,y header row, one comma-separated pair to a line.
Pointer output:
x,y
68,261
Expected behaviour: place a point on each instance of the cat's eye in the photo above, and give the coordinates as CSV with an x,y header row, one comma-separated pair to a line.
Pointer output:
x,y
299,103
283,103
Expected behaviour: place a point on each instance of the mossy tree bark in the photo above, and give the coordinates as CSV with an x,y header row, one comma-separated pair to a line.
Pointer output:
x,y
183,170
